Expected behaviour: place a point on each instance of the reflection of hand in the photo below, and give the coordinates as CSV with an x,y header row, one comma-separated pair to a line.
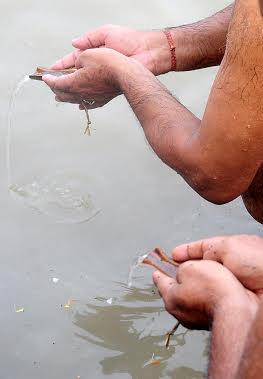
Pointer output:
x,y
149,48
202,289
93,81
242,255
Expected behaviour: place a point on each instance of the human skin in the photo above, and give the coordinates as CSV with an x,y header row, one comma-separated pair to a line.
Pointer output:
x,y
205,295
198,45
251,365
242,256
220,156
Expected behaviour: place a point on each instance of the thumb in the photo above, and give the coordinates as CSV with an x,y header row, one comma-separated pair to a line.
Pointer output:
x,y
163,282
90,40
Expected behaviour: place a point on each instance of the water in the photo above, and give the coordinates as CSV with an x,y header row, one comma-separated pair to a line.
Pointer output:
x,y
144,204
15,93
61,195
137,262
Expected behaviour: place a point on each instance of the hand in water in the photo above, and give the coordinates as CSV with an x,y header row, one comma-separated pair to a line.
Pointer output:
x,y
94,81
149,48
242,255
201,289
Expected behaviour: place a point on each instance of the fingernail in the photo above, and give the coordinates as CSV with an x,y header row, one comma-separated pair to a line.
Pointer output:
x,y
75,40
48,78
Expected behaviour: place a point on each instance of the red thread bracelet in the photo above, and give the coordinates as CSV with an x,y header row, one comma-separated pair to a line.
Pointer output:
x,y
172,46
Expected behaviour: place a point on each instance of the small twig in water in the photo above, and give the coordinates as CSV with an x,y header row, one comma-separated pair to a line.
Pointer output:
x,y
170,334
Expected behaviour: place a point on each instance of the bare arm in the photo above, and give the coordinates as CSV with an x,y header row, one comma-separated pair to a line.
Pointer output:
x,y
220,155
198,45
229,332
202,44
205,293
251,364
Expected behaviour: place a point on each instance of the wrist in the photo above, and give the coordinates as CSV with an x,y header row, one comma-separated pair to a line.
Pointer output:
x,y
189,50
242,307
231,326
125,71
117,66
160,53
197,46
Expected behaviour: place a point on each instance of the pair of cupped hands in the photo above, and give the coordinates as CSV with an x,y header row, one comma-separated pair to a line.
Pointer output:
x,y
217,274
102,58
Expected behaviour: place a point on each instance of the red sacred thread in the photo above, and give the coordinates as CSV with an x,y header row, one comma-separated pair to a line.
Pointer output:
x,y
172,48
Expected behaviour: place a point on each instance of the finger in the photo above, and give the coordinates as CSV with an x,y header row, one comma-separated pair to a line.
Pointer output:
x,y
194,250
163,282
216,251
67,61
90,40
64,83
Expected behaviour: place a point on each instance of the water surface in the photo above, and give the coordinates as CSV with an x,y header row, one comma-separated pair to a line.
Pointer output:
x,y
142,202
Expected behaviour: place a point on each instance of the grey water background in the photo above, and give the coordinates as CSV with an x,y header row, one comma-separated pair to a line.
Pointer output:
x,y
143,203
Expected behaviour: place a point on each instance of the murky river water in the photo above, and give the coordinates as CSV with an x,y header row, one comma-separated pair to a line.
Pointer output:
x,y
44,266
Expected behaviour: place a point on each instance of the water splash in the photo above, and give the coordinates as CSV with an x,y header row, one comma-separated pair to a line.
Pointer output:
x,y
61,195
136,263
16,91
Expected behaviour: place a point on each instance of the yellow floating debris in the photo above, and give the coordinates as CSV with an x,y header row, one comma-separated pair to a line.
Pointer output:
x,y
155,362
69,303
20,310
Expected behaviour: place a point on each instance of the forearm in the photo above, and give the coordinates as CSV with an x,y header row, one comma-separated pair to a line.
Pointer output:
x,y
202,44
167,124
192,147
229,332
251,365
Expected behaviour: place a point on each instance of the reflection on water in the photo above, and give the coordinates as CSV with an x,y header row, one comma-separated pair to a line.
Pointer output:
x,y
130,329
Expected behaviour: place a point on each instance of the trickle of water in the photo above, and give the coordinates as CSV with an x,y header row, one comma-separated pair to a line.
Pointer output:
x,y
135,264
62,195
16,91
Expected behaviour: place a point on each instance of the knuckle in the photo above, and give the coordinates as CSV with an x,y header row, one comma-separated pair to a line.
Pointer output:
x,y
256,238
187,267
108,27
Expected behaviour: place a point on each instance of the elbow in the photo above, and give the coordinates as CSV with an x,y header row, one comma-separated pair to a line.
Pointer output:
x,y
218,198
216,190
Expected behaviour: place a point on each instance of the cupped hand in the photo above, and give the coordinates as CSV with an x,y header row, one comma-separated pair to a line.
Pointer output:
x,y
93,81
201,289
150,48
241,254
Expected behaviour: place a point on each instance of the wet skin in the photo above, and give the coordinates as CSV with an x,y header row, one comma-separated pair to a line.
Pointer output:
x,y
220,156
